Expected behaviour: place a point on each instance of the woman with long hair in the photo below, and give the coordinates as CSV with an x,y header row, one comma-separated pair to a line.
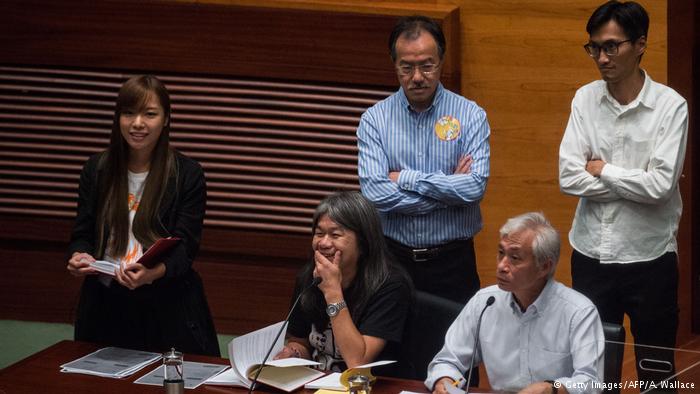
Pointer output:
x,y
357,313
138,191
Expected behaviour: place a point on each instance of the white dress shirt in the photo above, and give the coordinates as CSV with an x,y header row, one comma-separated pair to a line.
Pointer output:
x,y
631,212
559,337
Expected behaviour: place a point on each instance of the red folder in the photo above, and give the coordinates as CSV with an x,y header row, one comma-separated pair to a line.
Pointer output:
x,y
157,251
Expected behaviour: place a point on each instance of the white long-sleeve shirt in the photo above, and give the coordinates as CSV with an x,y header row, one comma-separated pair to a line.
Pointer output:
x,y
558,337
631,212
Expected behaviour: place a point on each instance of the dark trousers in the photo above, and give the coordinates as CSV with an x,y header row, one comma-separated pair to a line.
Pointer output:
x,y
449,270
648,293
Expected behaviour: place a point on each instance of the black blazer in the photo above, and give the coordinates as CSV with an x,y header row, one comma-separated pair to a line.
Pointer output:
x,y
181,213
173,310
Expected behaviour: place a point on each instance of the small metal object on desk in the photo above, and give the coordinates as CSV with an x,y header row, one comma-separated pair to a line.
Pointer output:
x,y
359,384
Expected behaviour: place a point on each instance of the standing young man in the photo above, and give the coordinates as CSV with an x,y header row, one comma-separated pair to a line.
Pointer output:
x,y
424,162
622,154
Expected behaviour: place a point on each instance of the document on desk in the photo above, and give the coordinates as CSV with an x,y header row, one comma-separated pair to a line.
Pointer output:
x,y
451,389
226,378
111,362
328,382
246,354
194,374
333,382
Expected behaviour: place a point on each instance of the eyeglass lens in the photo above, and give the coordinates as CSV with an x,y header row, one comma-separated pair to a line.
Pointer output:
x,y
409,69
611,48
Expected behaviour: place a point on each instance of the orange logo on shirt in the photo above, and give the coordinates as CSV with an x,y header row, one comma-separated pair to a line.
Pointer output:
x,y
130,256
133,203
447,128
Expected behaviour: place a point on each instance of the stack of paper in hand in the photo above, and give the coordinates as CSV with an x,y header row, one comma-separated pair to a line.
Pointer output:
x,y
105,266
111,362
153,255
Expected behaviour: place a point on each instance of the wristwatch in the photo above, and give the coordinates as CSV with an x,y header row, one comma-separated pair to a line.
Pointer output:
x,y
334,308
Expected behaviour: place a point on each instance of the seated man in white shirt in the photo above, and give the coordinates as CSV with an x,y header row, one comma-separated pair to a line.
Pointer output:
x,y
539,336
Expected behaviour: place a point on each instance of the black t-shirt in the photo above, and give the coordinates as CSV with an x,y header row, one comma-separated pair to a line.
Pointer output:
x,y
384,317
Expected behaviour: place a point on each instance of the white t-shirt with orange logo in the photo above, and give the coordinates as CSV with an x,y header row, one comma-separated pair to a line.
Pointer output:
x,y
134,250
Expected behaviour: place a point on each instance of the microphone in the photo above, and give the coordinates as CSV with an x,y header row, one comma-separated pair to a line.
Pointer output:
x,y
489,302
315,282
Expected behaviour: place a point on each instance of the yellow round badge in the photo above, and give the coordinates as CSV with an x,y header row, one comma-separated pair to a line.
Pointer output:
x,y
447,128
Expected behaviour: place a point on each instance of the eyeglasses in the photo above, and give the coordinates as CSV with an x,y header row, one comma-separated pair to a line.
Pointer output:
x,y
426,69
611,48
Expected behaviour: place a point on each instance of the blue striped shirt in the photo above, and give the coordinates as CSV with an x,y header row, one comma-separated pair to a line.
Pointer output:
x,y
429,205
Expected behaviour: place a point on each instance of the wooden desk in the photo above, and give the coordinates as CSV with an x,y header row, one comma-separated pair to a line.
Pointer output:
x,y
40,373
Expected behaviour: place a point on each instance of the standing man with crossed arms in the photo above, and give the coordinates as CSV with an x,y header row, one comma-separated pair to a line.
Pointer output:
x,y
424,162
622,154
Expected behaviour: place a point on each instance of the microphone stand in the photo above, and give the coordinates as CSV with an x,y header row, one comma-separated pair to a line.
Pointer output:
x,y
314,283
489,302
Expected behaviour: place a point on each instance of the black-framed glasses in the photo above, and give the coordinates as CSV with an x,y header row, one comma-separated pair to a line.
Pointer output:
x,y
610,48
425,69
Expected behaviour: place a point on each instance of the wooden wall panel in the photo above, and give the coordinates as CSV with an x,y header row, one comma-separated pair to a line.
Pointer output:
x,y
245,291
684,76
520,60
257,39
270,150
266,96
523,61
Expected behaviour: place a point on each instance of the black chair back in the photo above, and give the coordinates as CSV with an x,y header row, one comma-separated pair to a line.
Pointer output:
x,y
426,326
614,354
